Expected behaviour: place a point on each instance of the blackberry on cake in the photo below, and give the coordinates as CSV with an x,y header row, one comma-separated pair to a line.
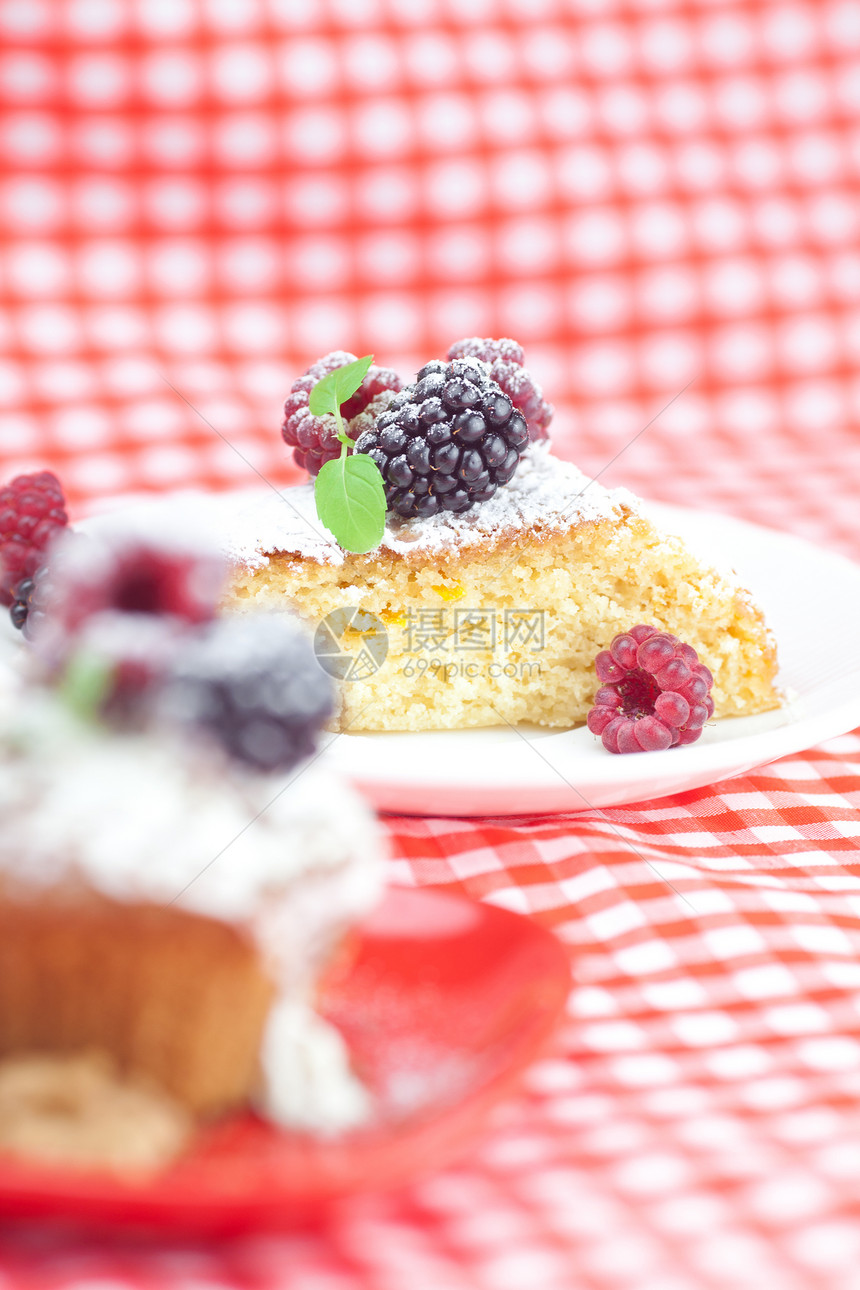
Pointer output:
x,y
447,441
313,439
506,361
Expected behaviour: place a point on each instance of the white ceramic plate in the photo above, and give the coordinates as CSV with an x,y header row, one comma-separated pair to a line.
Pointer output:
x,y
811,598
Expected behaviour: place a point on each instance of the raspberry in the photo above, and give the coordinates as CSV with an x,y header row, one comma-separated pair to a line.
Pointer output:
x,y
313,439
255,685
123,572
447,441
654,694
505,358
32,513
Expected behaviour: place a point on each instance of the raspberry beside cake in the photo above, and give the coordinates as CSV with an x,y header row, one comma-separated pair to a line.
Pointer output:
x,y
554,560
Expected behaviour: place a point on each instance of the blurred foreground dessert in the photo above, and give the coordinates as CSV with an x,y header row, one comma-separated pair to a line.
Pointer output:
x,y
175,872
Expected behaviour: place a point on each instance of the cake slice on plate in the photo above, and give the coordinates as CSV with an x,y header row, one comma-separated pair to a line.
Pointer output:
x,y
496,615
456,573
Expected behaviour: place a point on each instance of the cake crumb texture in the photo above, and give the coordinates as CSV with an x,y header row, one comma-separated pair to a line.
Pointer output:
x,y
582,581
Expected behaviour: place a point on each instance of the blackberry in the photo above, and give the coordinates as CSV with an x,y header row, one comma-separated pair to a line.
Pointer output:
x,y
31,599
32,513
313,439
254,685
20,607
447,441
505,358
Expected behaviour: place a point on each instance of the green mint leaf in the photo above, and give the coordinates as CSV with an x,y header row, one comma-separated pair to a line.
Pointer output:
x,y
338,386
85,684
350,500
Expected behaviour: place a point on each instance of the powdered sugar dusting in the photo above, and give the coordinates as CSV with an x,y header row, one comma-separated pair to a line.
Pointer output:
x,y
520,383
470,363
546,494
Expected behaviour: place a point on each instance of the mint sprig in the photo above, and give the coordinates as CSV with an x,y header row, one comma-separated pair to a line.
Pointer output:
x,y
336,387
86,683
349,493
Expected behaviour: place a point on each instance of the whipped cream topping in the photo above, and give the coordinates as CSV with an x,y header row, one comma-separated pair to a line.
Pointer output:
x,y
308,1082
545,494
141,819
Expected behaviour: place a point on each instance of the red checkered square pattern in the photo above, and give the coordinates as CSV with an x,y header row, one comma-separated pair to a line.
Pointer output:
x,y
199,197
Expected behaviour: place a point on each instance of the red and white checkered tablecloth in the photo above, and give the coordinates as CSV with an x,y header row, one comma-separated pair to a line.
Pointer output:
x,y
652,197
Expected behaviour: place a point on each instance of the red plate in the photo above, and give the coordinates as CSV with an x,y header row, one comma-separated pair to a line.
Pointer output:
x,y
445,1003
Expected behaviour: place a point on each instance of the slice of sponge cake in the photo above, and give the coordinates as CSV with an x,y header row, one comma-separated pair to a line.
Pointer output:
x,y
496,615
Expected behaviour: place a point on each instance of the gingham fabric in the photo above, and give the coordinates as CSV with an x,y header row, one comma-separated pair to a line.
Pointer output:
x,y
199,197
